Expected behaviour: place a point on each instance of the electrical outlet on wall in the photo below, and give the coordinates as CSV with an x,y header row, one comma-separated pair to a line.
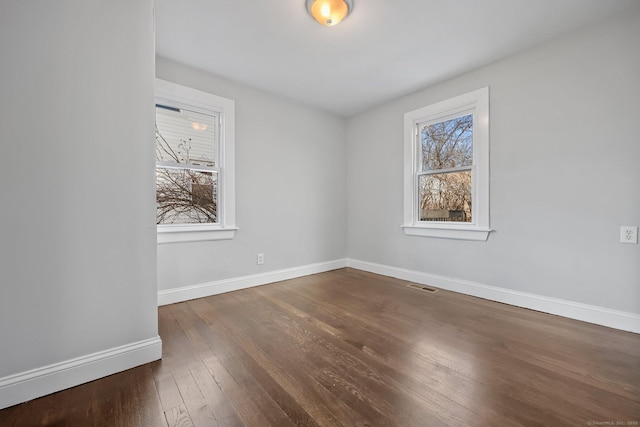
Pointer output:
x,y
628,234
260,259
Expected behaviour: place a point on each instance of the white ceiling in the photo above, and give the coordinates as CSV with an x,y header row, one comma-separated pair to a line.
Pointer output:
x,y
384,49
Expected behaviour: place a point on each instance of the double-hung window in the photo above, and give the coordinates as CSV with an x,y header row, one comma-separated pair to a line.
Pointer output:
x,y
194,164
447,168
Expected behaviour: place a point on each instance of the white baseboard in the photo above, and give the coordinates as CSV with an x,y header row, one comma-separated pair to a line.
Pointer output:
x,y
573,310
186,293
39,382
588,313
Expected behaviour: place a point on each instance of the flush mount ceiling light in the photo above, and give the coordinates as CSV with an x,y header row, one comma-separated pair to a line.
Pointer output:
x,y
329,12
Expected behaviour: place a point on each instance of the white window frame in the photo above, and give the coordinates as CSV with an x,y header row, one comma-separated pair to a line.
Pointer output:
x,y
477,104
178,96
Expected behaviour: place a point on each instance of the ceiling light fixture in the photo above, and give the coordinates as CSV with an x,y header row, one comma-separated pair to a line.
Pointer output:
x,y
329,12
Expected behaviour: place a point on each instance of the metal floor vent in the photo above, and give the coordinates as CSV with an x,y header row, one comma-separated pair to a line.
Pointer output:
x,y
421,287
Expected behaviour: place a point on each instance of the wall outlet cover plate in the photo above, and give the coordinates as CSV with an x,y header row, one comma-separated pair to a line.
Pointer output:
x,y
628,234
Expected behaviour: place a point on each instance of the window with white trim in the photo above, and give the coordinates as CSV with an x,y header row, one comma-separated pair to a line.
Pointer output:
x,y
195,178
446,168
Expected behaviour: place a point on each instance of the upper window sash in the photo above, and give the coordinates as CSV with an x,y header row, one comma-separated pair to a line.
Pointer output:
x,y
188,135
429,123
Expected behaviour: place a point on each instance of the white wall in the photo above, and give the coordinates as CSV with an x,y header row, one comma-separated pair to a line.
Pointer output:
x,y
290,188
564,174
77,229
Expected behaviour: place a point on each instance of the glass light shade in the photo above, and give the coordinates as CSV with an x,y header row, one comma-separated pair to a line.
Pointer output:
x,y
328,12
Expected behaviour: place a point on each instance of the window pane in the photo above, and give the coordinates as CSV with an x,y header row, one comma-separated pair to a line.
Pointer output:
x,y
184,136
447,144
186,196
445,197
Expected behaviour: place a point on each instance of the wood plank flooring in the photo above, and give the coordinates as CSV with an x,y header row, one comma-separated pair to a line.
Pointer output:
x,y
349,348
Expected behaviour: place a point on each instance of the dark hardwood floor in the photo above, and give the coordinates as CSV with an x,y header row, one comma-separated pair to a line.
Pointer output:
x,y
349,348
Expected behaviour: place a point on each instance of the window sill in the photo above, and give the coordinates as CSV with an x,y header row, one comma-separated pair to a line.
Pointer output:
x,y
448,232
184,234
